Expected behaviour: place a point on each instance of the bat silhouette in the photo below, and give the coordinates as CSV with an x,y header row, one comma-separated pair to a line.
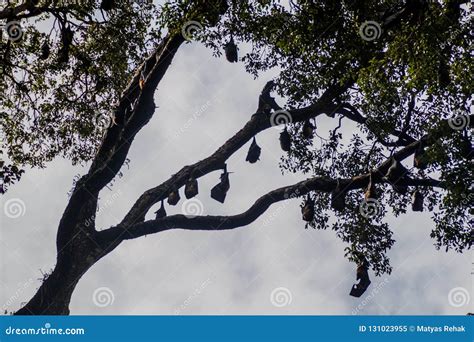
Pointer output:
x,y
364,281
219,191
254,152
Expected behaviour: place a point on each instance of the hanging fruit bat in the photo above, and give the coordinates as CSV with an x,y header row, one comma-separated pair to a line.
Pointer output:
x,y
308,130
285,140
265,101
219,191
231,51
419,159
417,201
338,198
160,213
362,275
308,210
173,197
254,152
191,188
45,51
370,192
107,5
395,172
66,38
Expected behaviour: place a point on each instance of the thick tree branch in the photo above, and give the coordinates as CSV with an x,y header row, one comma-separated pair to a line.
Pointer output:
x,y
256,124
12,12
255,211
134,110
118,233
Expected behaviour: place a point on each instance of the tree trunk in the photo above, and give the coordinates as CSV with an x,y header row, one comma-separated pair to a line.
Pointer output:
x,y
54,295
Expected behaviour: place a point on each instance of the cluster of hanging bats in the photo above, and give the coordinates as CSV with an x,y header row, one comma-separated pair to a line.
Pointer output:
x,y
191,189
266,104
395,173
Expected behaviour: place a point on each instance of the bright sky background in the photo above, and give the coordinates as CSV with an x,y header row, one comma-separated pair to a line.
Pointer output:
x,y
203,101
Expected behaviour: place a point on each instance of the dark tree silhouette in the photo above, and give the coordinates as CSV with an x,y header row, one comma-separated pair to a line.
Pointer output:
x,y
400,71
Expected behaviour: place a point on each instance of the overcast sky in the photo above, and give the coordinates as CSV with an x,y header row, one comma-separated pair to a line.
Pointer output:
x,y
273,266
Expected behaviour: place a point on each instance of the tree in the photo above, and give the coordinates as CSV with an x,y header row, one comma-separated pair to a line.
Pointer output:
x,y
402,72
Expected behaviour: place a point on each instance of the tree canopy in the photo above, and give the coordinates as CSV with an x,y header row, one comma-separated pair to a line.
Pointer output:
x,y
402,72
